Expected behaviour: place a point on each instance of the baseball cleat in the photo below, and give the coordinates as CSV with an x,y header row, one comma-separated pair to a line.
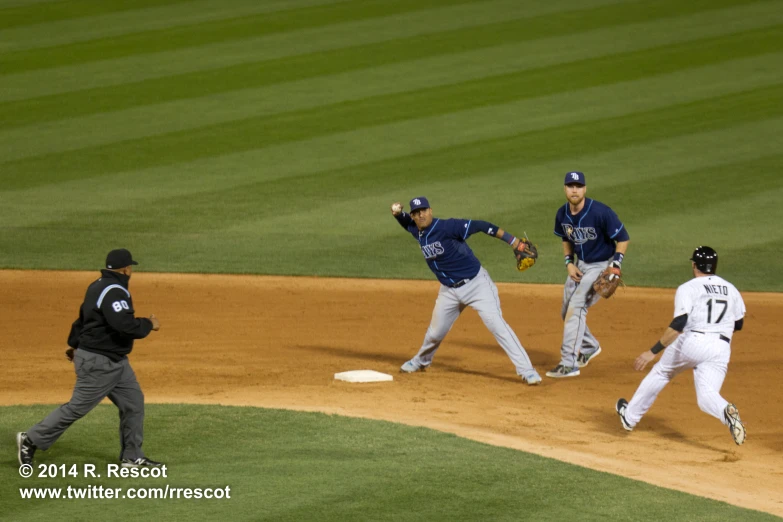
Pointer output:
x,y
736,428
560,372
411,367
25,448
141,462
533,379
585,358
621,405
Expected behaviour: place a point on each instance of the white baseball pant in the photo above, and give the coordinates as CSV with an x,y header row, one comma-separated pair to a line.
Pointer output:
x,y
707,354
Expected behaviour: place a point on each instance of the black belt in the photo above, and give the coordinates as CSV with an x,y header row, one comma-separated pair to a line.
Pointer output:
x,y
722,337
458,284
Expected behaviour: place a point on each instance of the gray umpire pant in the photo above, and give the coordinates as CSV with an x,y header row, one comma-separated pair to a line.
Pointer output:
x,y
577,298
97,377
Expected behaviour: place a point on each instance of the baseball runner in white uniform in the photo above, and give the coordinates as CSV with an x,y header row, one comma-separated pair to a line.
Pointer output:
x,y
707,311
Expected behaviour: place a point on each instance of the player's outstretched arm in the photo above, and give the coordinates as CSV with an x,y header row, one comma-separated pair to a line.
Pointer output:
x,y
525,252
669,336
402,217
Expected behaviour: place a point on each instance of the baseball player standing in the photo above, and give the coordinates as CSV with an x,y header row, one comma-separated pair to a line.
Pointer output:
x,y
464,282
100,340
707,311
593,237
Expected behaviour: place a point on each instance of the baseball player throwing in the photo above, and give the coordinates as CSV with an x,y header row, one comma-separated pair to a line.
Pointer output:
x,y
707,311
464,282
593,232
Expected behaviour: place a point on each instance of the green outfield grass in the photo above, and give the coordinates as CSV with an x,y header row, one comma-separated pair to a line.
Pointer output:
x,y
271,137
306,466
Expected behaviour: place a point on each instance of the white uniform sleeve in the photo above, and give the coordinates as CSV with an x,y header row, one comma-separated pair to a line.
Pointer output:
x,y
682,301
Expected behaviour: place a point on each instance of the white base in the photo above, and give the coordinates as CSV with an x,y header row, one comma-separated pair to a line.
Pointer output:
x,y
363,376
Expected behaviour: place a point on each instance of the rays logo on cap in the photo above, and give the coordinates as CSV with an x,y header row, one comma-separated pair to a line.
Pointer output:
x,y
420,202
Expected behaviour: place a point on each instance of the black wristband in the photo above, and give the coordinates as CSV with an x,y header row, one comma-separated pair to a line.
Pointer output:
x,y
569,259
657,348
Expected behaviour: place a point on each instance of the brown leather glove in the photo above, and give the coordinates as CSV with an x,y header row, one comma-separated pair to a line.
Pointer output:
x,y
526,254
608,282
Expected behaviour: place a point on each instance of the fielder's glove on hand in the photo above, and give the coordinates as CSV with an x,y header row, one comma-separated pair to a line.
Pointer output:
x,y
526,254
608,281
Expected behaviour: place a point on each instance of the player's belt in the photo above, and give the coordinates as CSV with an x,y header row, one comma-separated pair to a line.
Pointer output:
x,y
722,337
460,283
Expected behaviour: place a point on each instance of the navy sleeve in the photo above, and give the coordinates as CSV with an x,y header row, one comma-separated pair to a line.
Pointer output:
x,y
117,308
406,221
614,227
464,228
475,225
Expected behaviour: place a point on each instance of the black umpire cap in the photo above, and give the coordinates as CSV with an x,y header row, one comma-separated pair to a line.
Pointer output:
x,y
119,258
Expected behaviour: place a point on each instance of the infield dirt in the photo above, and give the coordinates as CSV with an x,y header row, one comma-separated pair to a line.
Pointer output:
x,y
277,342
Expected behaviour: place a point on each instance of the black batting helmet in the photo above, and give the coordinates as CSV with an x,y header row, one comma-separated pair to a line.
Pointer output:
x,y
706,259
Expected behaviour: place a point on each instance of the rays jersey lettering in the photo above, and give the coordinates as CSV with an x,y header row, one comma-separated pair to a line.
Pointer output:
x,y
579,236
712,304
592,232
444,246
432,250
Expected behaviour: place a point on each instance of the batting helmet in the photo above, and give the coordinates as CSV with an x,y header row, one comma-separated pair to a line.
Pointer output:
x,y
706,259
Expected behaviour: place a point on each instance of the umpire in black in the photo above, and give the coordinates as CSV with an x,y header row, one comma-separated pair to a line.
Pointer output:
x,y
100,340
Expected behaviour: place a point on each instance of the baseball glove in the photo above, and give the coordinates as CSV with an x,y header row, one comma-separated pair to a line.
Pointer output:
x,y
608,281
526,254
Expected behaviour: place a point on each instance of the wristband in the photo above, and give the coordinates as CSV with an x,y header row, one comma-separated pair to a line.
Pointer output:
x,y
508,238
618,258
569,259
657,348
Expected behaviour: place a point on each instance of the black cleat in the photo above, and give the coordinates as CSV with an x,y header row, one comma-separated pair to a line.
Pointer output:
x,y
25,448
141,462
622,404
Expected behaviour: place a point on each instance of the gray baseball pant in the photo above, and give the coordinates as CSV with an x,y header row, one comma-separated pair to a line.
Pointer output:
x,y
481,294
97,377
577,298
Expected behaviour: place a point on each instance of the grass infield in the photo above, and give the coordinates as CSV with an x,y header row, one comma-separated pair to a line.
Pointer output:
x,y
283,465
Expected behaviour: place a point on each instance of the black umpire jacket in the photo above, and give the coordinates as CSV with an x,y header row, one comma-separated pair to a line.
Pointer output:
x,y
106,324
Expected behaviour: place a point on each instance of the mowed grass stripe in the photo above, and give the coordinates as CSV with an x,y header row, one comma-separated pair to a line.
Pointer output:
x,y
335,171
141,122
36,13
414,36
264,131
63,32
350,35
454,164
235,28
376,165
387,78
207,244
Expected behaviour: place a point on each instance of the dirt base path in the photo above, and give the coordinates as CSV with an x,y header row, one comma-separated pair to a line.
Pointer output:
x,y
277,342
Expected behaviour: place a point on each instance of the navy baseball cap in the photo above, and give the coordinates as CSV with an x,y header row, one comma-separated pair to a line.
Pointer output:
x,y
575,177
417,203
119,258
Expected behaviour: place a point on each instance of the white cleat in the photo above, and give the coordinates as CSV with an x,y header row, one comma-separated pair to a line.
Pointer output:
x,y
737,429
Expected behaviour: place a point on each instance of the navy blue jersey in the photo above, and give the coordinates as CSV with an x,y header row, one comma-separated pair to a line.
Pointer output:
x,y
592,232
443,246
